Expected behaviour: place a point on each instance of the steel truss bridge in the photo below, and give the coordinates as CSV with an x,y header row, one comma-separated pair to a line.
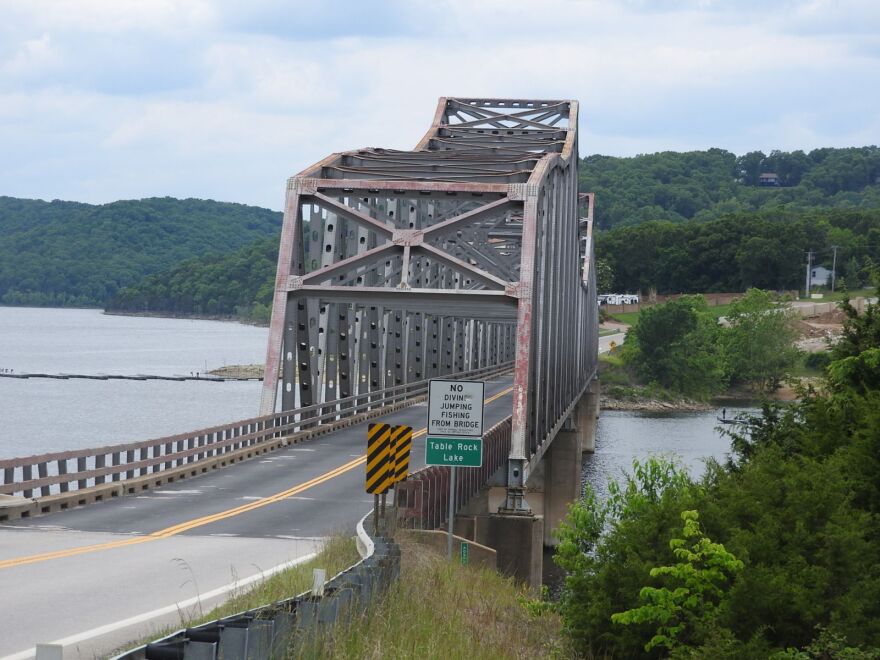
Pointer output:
x,y
472,250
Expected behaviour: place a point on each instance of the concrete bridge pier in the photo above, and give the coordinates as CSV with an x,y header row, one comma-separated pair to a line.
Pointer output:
x,y
519,536
556,483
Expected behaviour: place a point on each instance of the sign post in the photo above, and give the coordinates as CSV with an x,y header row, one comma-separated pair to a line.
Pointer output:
x,y
455,432
451,512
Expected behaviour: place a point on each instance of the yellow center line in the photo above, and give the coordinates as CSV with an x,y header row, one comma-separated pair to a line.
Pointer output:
x,y
214,517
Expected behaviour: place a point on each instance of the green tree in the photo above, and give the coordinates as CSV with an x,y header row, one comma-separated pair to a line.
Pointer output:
x,y
676,345
798,505
604,276
853,273
759,341
67,253
861,332
749,167
687,612
607,547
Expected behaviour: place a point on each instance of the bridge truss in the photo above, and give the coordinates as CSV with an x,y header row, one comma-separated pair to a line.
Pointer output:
x,y
467,252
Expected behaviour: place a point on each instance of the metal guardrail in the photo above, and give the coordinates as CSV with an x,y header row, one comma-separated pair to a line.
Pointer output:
x,y
84,469
274,630
422,500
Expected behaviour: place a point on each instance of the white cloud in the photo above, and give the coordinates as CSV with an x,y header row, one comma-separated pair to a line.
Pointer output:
x,y
114,17
33,57
103,99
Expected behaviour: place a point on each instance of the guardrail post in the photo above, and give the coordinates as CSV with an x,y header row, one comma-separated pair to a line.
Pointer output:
x,y
43,472
116,459
81,467
100,461
49,652
64,486
27,475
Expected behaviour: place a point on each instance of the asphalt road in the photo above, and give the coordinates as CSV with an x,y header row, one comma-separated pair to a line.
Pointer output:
x,y
96,577
605,342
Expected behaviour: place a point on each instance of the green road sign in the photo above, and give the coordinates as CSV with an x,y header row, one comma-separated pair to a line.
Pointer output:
x,y
458,452
464,553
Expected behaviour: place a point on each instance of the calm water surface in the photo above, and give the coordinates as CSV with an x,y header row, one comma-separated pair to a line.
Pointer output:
x,y
40,415
623,436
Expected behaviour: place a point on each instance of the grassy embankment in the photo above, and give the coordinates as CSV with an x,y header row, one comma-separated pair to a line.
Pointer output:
x,y
436,610
439,609
630,318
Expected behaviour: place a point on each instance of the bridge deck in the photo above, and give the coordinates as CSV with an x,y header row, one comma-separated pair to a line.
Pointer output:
x,y
298,494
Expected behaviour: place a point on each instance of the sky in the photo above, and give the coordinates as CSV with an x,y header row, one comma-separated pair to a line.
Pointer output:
x,y
225,99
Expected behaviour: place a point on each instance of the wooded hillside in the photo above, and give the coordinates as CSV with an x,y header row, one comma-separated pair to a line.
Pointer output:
x,y
70,254
703,185
677,222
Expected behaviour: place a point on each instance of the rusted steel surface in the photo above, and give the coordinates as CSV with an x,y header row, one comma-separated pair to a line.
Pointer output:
x,y
470,250
422,500
49,474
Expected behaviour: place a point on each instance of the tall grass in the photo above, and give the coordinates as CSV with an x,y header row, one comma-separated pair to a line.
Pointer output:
x,y
337,554
439,609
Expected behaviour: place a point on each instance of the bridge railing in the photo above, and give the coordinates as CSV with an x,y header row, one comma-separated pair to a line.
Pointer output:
x,y
190,453
422,500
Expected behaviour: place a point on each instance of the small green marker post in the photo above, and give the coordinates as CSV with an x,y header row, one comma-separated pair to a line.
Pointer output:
x,y
464,553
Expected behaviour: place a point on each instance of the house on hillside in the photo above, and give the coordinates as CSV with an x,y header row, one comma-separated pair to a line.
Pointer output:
x,y
768,179
820,276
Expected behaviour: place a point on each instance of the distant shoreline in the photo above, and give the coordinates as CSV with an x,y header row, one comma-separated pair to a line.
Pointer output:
x,y
226,318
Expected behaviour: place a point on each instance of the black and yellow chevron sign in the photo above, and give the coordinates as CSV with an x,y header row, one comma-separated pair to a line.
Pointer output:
x,y
401,442
380,460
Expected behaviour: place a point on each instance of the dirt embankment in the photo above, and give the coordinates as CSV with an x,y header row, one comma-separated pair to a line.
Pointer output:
x,y
607,402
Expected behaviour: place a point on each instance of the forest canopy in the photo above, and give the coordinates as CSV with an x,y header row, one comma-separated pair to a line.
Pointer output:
x,y
689,222
765,250
70,254
703,185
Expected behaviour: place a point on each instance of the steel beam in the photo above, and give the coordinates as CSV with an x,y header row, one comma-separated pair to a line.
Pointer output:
x,y
466,252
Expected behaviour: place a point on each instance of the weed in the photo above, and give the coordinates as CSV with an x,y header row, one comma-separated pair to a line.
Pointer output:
x,y
442,610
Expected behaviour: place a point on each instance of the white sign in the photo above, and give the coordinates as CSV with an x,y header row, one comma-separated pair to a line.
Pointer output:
x,y
455,408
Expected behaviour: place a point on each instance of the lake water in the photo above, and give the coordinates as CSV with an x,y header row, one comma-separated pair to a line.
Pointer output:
x,y
622,436
42,415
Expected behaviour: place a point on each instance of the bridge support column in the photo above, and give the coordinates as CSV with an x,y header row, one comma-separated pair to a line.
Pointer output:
x,y
562,480
585,414
557,480
518,542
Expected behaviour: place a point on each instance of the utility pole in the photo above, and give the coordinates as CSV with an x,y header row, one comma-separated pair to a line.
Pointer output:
x,y
809,270
834,268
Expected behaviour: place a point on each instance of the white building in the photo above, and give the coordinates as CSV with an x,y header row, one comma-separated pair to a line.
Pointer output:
x,y
820,276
